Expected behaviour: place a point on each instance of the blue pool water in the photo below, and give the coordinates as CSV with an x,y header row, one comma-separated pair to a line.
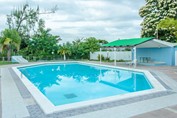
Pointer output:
x,y
74,82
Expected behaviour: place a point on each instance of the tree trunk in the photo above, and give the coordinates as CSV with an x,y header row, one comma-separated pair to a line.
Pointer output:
x,y
8,53
64,56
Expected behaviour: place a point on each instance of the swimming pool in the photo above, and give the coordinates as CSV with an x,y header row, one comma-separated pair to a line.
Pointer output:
x,y
73,83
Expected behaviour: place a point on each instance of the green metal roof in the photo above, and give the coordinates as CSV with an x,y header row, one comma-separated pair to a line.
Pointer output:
x,y
127,42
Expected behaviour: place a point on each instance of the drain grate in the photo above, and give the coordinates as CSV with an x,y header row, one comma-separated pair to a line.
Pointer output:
x,y
70,96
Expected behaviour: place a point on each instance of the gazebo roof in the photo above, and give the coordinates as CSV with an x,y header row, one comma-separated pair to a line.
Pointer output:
x,y
149,42
127,42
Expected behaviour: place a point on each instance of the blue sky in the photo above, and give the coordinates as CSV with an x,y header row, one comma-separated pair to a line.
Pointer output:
x,y
103,19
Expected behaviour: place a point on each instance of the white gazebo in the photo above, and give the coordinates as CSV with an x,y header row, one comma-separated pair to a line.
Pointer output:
x,y
135,43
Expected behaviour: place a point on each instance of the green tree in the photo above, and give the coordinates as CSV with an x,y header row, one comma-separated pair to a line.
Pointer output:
x,y
153,12
77,49
91,45
42,45
64,50
9,41
80,48
169,25
24,21
102,41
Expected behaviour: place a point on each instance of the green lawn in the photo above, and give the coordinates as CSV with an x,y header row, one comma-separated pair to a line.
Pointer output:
x,y
6,62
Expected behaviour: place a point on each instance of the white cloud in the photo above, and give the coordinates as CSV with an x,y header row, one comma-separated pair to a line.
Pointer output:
x,y
12,1
2,22
103,19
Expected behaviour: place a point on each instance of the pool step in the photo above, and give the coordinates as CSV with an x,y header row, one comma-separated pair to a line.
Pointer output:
x,y
13,105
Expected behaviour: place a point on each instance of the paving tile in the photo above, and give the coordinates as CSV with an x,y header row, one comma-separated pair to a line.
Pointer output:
x,y
11,98
23,91
174,107
162,113
29,101
35,111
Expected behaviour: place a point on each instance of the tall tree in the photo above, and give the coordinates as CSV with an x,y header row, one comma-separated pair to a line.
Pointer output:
x,y
24,21
43,45
169,25
102,41
153,12
9,41
81,48
77,49
64,50
92,44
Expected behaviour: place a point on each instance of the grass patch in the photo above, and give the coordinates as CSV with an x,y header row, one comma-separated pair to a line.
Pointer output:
x,y
7,62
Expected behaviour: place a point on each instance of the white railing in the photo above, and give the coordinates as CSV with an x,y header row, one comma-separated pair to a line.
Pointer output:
x,y
124,55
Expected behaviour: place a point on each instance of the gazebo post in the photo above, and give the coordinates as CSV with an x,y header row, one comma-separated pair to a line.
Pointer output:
x,y
114,56
134,59
100,55
134,82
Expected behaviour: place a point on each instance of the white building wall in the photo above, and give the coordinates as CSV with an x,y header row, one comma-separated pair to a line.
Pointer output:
x,y
125,55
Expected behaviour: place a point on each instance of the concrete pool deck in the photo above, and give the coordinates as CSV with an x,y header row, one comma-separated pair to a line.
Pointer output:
x,y
155,105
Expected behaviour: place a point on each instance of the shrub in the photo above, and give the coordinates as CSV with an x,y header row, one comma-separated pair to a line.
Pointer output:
x,y
121,60
107,58
102,57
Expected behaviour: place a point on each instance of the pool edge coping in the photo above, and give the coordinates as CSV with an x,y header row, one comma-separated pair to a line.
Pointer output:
x,y
49,108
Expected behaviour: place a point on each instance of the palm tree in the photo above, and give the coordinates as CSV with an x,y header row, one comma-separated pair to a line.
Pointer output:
x,y
10,39
64,50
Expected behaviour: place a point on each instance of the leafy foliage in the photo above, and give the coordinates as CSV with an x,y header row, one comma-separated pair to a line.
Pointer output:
x,y
37,41
153,12
42,45
24,20
169,25
91,45
102,57
77,49
64,50
102,41
81,48
9,41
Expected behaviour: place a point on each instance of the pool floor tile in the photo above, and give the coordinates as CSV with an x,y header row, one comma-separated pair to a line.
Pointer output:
x,y
70,95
